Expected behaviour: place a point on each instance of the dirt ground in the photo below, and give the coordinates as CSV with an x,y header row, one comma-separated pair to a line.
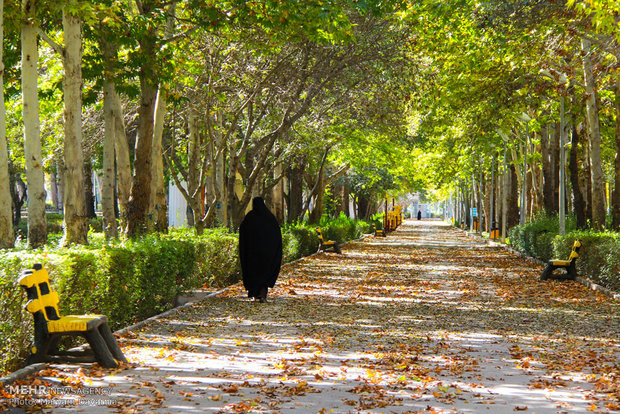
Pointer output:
x,y
424,320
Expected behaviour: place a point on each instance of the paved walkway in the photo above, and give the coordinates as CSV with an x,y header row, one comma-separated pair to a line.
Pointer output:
x,y
425,320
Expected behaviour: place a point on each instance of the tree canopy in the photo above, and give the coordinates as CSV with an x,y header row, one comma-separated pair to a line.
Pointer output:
x,y
231,99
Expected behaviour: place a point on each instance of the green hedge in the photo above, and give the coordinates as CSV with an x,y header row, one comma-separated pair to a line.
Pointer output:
x,y
344,228
535,238
132,280
599,257
298,240
126,281
301,240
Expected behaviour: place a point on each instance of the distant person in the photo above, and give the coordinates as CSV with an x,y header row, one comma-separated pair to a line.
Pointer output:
x,y
419,214
260,250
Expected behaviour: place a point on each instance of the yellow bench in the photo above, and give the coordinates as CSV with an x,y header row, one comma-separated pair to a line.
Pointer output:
x,y
390,221
569,265
378,232
49,326
325,245
399,215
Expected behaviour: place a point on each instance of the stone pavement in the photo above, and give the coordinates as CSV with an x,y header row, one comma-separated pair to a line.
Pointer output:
x,y
424,320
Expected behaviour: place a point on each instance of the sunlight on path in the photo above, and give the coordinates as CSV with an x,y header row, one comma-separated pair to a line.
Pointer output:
x,y
424,320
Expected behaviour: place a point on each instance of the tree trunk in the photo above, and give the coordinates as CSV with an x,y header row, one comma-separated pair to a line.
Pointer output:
x,y
37,226
499,195
220,182
18,196
158,209
110,228
579,204
140,191
7,236
342,191
88,190
363,207
296,195
554,160
54,190
277,199
598,185
317,211
195,187
512,214
235,191
76,220
615,201
535,176
59,183
547,187
578,201
123,164
486,207
504,202
585,179
193,170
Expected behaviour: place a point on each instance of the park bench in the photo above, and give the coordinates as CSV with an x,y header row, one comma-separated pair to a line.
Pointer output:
x,y
378,232
398,215
568,265
49,326
326,245
390,221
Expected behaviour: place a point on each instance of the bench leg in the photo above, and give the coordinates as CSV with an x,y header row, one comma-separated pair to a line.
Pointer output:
x,y
110,340
100,349
547,272
571,272
52,347
41,344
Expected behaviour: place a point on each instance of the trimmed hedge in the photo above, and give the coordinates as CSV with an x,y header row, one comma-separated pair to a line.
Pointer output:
x,y
127,281
535,238
299,240
599,257
132,280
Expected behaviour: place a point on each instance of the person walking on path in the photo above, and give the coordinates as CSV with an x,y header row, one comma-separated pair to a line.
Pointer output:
x,y
260,250
419,214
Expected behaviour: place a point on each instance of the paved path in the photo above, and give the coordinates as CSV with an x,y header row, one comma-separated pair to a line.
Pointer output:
x,y
425,320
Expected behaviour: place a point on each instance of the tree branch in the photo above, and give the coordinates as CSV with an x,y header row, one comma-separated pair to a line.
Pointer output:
x,y
179,36
55,46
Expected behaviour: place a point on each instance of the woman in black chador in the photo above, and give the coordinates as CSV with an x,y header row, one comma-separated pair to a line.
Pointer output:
x,y
419,214
260,250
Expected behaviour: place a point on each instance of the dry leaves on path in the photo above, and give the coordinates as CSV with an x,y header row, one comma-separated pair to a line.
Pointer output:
x,y
424,320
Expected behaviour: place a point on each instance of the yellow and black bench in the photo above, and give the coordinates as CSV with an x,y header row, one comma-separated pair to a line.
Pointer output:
x,y
398,211
568,265
378,232
326,245
49,326
390,221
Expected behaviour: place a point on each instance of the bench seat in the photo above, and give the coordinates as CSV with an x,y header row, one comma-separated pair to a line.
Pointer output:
x,y
568,265
325,245
50,326
76,323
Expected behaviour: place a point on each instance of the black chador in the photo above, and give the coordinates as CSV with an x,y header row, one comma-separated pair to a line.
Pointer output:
x,y
260,250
